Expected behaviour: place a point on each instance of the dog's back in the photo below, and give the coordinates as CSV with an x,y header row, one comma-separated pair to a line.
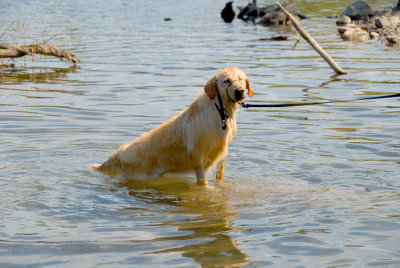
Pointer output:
x,y
162,149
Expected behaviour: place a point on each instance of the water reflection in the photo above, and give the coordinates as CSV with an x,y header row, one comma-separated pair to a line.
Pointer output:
x,y
35,75
205,218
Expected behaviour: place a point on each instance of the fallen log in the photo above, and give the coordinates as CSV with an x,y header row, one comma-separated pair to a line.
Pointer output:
x,y
312,41
12,51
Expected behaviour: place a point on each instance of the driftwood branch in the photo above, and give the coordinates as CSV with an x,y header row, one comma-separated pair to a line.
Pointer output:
x,y
312,41
11,51
3,64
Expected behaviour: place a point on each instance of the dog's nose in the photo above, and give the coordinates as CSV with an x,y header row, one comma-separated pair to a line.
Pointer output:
x,y
239,93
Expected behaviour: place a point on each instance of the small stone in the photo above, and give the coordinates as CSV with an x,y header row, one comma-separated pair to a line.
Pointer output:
x,y
382,22
355,35
341,30
343,20
392,40
374,35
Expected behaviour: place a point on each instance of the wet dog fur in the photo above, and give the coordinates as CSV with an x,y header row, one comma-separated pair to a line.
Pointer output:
x,y
192,141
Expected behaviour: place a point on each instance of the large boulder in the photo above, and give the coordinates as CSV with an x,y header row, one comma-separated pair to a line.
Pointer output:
x,y
274,15
358,10
251,11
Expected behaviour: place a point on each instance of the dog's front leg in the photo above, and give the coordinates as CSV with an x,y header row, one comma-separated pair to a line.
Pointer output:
x,y
196,159
220,173
201,175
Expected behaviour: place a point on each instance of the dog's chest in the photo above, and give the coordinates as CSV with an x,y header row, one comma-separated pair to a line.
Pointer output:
x,y
217,142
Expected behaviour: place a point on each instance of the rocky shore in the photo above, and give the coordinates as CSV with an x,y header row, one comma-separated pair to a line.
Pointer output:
x,y
359,22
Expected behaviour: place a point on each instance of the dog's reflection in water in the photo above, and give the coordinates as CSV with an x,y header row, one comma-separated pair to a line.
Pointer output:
x,y
204,215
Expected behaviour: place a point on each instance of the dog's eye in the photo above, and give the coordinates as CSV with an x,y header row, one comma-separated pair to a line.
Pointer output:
x,y
227,81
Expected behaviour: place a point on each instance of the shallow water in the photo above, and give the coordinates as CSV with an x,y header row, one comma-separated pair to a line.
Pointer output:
x,y
314,186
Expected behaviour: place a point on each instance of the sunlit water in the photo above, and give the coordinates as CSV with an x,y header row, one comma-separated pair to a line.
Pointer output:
x,y
315,186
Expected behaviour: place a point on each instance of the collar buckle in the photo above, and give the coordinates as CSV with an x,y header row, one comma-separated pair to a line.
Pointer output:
x,y
223,121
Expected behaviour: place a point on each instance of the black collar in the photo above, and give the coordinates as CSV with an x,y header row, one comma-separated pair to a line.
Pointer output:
x,y
221,111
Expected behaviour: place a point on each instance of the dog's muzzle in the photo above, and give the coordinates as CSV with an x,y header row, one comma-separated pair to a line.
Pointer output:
x,y
240,94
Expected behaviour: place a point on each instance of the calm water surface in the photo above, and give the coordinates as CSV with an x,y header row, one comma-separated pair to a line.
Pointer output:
x,y
304,187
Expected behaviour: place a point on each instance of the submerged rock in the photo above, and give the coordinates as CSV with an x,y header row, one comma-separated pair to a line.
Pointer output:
x,y
343,20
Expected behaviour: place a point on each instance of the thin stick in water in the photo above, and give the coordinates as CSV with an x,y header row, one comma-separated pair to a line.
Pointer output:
x,y
312,41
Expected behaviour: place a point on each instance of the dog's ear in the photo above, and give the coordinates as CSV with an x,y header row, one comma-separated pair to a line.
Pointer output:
x,y
211,87
250,91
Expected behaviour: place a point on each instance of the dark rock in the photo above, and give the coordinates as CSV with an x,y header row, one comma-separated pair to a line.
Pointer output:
x,y
276,16
358,10
392,40
343,20
227,13
341,30
396,9
382,22
248,12
252,11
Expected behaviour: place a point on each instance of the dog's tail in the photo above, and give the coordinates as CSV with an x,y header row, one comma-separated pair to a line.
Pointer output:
x,y
111,166
96,166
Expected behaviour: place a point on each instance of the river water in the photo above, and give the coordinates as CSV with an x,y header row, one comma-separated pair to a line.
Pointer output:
x,y
314,186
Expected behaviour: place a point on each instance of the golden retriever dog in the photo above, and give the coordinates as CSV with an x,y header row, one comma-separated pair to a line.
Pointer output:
x,y
195,140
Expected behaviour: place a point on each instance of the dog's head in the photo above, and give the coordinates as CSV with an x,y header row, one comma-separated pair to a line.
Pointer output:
x,y
231,84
